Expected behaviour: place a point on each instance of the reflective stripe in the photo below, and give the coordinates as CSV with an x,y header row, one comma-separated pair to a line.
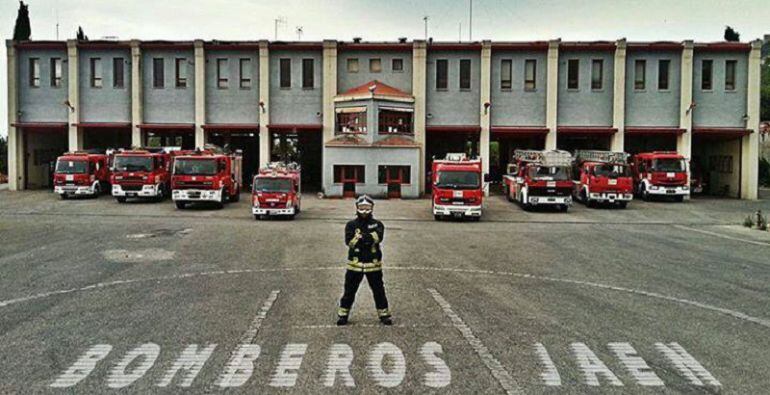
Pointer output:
x,y
376,237
364,267
342,312
383,312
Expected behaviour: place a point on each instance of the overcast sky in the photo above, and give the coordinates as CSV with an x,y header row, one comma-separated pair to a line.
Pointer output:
x,y
512,20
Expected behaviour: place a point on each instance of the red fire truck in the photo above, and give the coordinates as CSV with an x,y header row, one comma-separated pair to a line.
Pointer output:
x,y
602,177
81,173
661,174
277,191
539,178
208,175
141,173
458,187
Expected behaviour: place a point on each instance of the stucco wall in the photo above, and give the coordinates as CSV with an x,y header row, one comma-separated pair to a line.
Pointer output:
x,y
718,107
296,105
168,104
398,79
371,158
517,107
652,106
585,106
453,106
43,103
232,104
105,104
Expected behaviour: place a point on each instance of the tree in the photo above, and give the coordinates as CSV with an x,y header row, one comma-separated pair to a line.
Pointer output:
x,y
22,31
765,92
731,35
81,36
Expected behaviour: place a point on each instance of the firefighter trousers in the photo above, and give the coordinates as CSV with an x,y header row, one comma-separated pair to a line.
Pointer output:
x,y
353,280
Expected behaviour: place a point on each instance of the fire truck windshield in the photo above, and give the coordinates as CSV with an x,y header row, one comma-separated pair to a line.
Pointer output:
x,y
272,185
133,163
668,165
72,167
458,180
195,167
610,170
551,173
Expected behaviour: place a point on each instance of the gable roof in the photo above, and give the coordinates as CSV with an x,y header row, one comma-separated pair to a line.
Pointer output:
x,y
374,90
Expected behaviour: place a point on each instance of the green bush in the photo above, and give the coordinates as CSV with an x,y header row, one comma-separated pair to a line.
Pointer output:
x,y
748,222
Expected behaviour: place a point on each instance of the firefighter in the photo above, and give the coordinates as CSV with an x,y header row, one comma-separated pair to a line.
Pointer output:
x,y
363,236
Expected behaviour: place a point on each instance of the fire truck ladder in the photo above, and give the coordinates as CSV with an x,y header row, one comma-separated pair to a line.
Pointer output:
x,y
546,158
601,156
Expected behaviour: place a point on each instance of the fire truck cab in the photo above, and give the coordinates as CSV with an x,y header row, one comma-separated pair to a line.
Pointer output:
x,y
277,191
539,178
658,174
141,173
81,173
209,175
458,187
602,177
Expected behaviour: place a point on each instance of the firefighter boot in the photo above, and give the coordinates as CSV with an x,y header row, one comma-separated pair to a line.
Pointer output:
x,y
386,321
342,320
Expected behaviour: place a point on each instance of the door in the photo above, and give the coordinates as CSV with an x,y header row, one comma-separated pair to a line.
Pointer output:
x,y
393,179
349,179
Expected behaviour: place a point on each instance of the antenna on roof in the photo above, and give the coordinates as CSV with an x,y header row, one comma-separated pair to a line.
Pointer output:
x,y
281,20
56,11
425,19
299,33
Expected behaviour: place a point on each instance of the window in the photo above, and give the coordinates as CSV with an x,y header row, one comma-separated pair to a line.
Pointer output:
x,y
34,72
705,75
118,77
55,72
640,78
181,73
352,65
375,65
465,74
730,66
349,173
573,73
96,72
530,66
506,70
158,77
397,65
351,122
244,71
395,122
442,79
285,73
393,175
597,74
663,67
308,73
222,74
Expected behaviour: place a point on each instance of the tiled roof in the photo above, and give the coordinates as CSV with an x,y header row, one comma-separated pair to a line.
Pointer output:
x,y
374,89
396,140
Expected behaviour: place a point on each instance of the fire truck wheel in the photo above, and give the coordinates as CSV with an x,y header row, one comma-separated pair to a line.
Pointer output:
x,y
679,199
475,219
121,199
623,204
563,208
257,217
437,217
63,196
181,205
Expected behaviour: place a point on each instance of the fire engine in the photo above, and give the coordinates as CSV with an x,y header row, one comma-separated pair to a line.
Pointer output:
x,y
661,174
141,173
458,188
536,178
602,177
208,175
81,173
277,190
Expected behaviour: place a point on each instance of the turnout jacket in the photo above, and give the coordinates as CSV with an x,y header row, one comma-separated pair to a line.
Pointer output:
x,y
363,238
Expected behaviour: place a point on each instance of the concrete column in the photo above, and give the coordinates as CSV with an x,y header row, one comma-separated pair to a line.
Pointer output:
x,y
684,141
750,143
552,93
619,97
137,97
329,65
200,93
75,135
485,106
264,101
419,81
16,161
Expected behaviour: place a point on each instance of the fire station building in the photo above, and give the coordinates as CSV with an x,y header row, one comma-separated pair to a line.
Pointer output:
x,y
368,117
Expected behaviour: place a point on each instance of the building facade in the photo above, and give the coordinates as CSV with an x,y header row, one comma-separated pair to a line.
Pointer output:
x,y
368,117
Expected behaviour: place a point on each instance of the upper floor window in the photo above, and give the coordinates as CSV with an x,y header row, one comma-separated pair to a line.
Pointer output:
x,y
158,73
506,71
55,72
181,73
573,73
530,72
663,71
393,175
465,74
597,74
442,78
375,65
392,121
308,73
352,65
351,121
96,72
706,68
640,74
222,74
730,66
244,71
118,73
397,64
285,73
34,72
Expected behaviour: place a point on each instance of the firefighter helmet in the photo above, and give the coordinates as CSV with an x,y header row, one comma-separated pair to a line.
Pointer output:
x,y
364,204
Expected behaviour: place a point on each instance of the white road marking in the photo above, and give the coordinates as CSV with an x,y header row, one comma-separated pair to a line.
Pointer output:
x,y
191,360
240,366
138,256
256,323
374,365
338,363
635,365
493,365
285,374
441,376
687,366
592,366
550,375
83,366
723,236
356,325
119,378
